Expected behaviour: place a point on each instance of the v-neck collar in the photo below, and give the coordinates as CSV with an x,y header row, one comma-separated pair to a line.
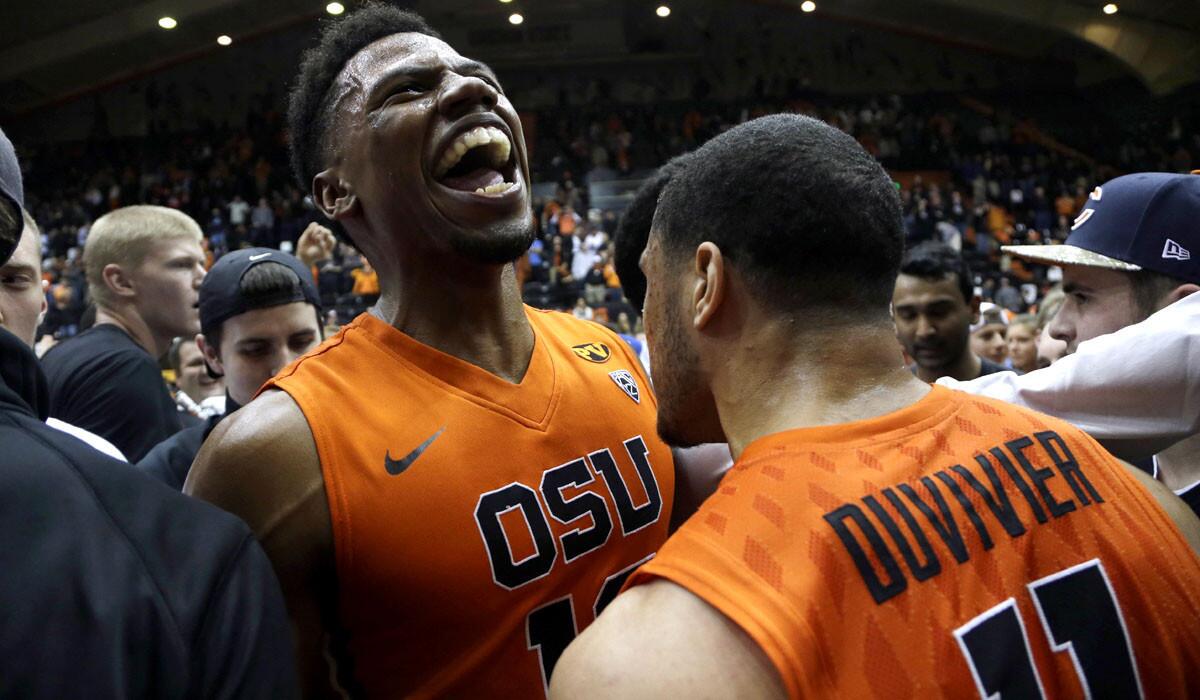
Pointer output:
x,y
531,401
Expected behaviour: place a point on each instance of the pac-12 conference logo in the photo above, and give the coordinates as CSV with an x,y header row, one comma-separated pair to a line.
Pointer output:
x,y
593,352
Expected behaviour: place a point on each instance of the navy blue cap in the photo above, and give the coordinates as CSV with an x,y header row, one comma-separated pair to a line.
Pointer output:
x,y
220,292
1144,221
12,190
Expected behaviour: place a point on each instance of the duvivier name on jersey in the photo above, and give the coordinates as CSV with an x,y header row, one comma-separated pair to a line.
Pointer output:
x,y
1017,479
636,507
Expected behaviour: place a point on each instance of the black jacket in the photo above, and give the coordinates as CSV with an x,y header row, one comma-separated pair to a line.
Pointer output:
x,y
111,584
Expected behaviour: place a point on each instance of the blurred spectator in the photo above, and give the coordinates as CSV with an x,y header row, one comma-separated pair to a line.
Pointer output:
x,y
144,266
934,307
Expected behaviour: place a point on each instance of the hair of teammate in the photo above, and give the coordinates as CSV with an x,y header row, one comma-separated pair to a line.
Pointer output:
x,y
262,287
310,115
629,240
125,236
809,218
933,260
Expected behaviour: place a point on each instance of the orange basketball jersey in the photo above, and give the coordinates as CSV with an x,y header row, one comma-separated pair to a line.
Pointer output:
x,y
959,547
479,525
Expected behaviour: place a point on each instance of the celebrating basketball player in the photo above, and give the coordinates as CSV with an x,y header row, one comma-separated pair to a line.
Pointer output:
x,y
455,484
875,537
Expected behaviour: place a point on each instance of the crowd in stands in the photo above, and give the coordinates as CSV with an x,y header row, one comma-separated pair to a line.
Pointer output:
x,y
969,175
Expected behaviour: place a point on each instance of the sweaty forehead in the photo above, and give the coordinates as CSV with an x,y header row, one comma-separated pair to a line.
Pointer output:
x,y
380,58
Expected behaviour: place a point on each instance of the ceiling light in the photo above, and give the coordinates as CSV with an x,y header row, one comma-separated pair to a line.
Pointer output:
x,y
224,40
167,22
515,18
808,6
505,1
335,8
1111,8
663,11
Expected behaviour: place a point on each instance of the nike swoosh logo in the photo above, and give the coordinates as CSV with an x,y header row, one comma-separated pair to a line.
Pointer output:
x,y
260,256
396,467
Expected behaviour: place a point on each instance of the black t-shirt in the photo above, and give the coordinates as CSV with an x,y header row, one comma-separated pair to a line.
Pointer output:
x,y
986,366
113,586
103,381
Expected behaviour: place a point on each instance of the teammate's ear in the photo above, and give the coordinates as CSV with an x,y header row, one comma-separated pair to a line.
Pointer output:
x,y
333,195
709,288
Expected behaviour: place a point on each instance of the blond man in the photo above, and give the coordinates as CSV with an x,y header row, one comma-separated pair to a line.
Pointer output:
x,y
144,265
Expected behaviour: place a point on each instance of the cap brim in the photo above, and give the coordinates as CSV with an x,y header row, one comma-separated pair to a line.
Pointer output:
x,y
1068,255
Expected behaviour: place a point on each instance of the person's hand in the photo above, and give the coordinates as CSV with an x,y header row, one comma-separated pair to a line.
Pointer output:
x,y
315,244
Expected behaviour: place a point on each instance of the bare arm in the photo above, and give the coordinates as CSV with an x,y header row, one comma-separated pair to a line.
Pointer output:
x,y
261,464
1177,510
660,641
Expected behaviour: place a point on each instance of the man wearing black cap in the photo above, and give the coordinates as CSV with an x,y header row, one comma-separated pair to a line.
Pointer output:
x,y
114,586
259,310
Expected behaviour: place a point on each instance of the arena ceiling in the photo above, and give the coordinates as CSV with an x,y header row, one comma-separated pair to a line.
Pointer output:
x,y
57,50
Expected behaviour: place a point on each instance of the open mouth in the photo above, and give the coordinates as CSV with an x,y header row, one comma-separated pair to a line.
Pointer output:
x,y
480,161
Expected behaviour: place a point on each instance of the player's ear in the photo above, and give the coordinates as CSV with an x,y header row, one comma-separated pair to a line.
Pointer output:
x,y
975,302
709,288
333,195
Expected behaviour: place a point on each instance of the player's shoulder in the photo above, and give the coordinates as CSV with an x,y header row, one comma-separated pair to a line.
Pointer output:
x,y
995,414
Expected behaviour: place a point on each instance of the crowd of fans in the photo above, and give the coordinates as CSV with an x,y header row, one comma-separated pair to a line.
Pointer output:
x,y
970,176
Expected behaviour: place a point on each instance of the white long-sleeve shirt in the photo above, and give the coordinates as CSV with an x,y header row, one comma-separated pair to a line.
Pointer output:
x,y
1137,390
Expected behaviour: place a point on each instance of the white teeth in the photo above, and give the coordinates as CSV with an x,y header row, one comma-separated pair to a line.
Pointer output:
x,y
495,189
496,141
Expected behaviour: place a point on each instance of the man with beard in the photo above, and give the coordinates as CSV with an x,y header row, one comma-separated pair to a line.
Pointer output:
x,y
934,306
842,555
455,483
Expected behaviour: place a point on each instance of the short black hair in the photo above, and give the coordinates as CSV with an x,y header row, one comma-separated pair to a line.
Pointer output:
x,y
933,260
629,240
261,287
309,115
808,216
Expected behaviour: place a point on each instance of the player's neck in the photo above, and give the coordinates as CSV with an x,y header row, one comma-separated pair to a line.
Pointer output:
x,y
130,322
475,315
776,384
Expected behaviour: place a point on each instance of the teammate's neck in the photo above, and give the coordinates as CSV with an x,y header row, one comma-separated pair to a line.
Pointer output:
x,y
135,327
475,315
778,383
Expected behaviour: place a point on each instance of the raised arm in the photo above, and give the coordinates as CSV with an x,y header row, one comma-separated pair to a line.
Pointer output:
x,y
261,464
1136,391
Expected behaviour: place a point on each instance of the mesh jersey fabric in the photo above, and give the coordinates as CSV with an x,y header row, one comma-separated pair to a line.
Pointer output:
x,y
479,524
933,551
